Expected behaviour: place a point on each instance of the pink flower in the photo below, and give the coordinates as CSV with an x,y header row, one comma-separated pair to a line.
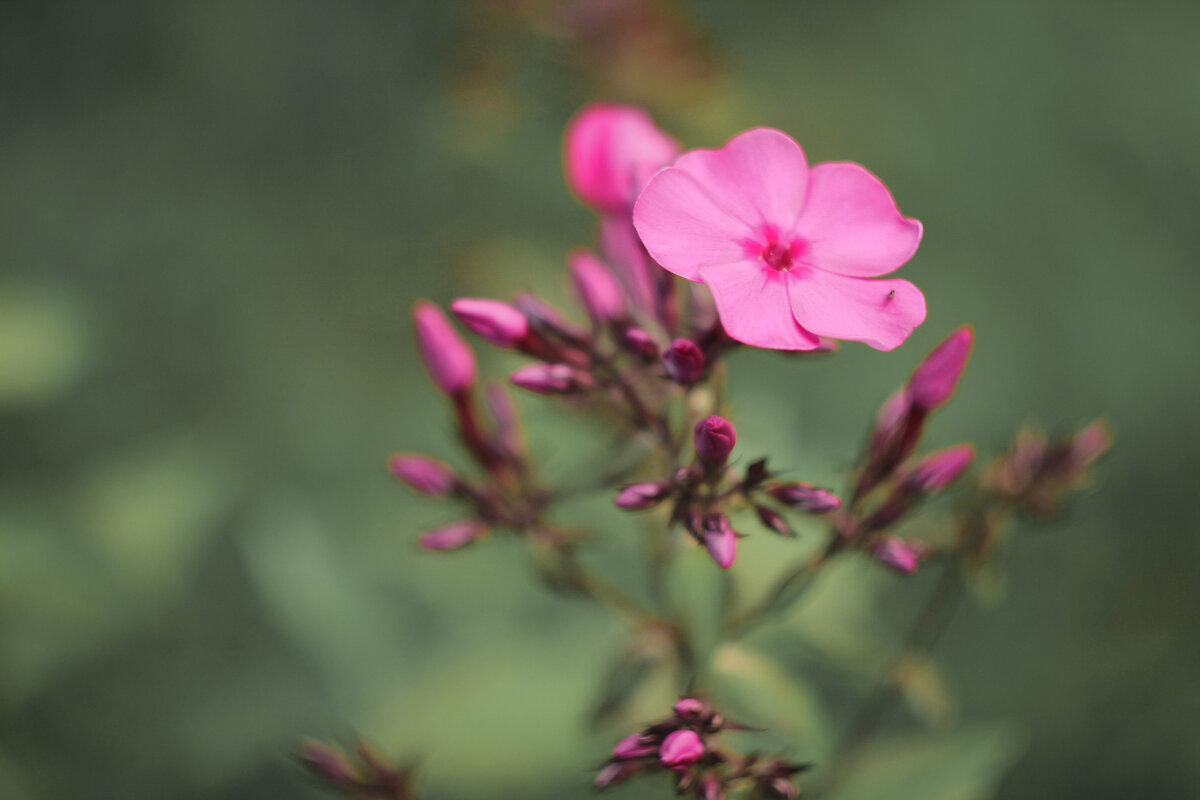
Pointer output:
x,y
610,151
450,362
788,253
714,438
681,748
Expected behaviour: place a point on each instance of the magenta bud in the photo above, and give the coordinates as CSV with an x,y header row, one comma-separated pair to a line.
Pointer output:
x,y
641,344
633,746
639,496
714,439
805,497
680,749
774,522
551,379
454,535
934,379
938,470
497,322
684,361
610,152
899,555
423,474
597,287
720,540
688,708
328,764
449,360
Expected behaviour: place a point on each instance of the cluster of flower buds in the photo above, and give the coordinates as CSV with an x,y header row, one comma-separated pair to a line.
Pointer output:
x,y
888,464
366,776
1036,474
704,491
686,745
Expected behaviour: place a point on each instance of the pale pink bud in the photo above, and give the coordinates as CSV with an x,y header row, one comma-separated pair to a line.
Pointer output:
x,y
497,322
938,470
890,418
681,749
720,540
899,555
633,746
598,289
805,497
328,764
454,535
934,379
551,379
617,771
715,438
684,361
621,247
449,360
710,788
641,344
610,152
1089,444
639,496
688,708
423,474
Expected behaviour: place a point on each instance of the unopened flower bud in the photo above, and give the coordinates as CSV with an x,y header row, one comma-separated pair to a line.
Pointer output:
x,y
714,440
710,788
774,522
640,496
551,379
454,535
720,540
805,497
1089,444
684,361
641,344
634,746
610,151
938,470
688,708
449,360
328,764
597,287
617,771
497,322
934,379
899,555
423,474
542,315
681,749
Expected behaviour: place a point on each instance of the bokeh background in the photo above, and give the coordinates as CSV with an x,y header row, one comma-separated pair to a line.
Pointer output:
x,y
214,217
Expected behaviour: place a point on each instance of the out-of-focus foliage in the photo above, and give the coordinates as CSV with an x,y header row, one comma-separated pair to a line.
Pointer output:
x,y
215,216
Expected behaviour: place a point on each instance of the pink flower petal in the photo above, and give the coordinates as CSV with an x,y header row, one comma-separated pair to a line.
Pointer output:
x,y
759,177
851,224
881,313
684,228
752,302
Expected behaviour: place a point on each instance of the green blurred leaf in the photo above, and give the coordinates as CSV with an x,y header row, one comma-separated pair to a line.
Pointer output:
x,y
43,344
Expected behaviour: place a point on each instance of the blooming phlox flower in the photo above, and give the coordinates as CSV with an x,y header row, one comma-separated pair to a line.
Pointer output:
x,y
789,253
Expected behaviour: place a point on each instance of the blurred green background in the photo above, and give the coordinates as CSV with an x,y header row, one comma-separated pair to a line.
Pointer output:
x,y
214,217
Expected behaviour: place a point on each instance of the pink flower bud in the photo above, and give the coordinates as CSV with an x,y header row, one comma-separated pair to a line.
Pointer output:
x,y
1089,444
498,323
640,496
617,771
688,708
598,289
621,247
551,379
938,470
634,746
774,522
610,152
641,344
805,497
450,362
899,555
423,474
684,361
714,438
720,540
328,764
681,749
710,788
934,379
454,535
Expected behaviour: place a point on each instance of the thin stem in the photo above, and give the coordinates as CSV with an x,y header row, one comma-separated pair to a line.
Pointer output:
x,y
775,600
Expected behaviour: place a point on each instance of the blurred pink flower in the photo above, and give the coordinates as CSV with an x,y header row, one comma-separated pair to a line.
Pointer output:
x,y
610,151
788,252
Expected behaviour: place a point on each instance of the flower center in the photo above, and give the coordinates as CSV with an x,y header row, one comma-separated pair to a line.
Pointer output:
x,y
779,256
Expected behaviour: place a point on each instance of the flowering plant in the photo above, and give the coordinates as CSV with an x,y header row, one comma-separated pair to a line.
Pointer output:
x,y
775,255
